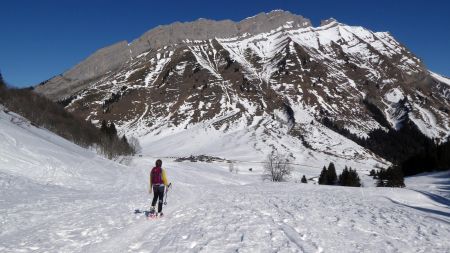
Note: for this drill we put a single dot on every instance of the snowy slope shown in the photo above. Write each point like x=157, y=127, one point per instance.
x=252, y=143
x=39, y=155
x=57, y=197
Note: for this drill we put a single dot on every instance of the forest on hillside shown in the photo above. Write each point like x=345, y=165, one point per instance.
x=47, y=114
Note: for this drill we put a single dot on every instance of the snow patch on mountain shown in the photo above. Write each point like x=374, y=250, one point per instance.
x=394, y=95
x=440, y=78
x=157, y=65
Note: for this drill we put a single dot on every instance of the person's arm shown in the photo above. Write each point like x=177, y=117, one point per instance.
x=164, y=178
x=150, y=183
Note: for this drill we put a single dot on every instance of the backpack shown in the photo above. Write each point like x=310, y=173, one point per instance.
x=156, y=175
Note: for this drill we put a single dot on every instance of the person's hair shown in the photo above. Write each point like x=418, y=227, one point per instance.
x=158, y=163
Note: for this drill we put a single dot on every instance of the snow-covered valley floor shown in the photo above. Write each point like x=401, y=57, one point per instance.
x=57, y=197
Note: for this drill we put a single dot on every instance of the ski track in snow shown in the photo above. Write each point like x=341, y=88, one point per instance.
x=209, y=209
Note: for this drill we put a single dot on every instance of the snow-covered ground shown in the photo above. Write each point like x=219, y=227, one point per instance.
x=57, y=197
x=250, y=144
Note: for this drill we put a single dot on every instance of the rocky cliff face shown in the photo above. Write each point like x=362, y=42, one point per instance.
x=274, y=77
x=115, y=56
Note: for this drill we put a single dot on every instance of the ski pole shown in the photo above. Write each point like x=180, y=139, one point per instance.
x=167, y=190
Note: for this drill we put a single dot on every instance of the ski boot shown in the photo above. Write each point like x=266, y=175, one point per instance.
x=151, y=213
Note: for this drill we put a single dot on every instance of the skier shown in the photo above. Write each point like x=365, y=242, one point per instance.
x=158, y=182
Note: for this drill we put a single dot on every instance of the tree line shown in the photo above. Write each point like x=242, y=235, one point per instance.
x=390, y=177
x=277, y=168
x=407, y=148
x=348, y=177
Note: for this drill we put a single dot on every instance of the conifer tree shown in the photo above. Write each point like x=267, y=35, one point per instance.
x=391, y=177
x=349, y=177
x=323, y=178
x=304, y=180
x=124, y=140
x=2, y=82
x=104, y=127
x=331, y=174
x=395, y=177
x=112, y=130
x=343, y=177
x=381, y=177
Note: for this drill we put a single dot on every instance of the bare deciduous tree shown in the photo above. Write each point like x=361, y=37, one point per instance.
x=231, y=167
x=277, y=167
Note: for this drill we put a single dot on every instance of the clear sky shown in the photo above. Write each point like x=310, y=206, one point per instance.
x=43, y=38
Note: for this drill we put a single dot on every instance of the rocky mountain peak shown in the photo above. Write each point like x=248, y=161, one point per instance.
x=116, y=55
x=203, y=29
x=328, y=21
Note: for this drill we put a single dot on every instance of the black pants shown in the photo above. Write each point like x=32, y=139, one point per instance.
x=158, y=195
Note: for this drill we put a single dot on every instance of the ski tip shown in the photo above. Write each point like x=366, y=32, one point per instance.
x=154, y=216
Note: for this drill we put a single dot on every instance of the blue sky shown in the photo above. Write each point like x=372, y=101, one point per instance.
x=40, y=39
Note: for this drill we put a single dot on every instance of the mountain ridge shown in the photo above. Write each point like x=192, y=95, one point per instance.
x=278, y=85
x=101, y=61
